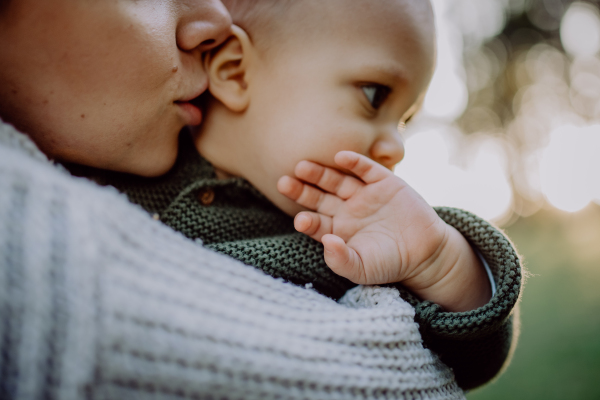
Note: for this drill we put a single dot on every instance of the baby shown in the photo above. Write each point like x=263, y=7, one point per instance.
x=315, y=91
x=302, y=119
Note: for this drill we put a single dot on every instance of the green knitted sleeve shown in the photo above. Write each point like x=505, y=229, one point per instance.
x=475, y=344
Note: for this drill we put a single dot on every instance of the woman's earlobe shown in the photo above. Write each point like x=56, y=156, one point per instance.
x=227, y=69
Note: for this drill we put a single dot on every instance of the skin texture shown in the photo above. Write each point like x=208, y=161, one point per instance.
x=104, y=83
x=310, y=94
x=376, y=229
x=302, y=111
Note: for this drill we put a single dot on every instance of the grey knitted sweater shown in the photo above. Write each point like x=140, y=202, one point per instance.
x=99, y=301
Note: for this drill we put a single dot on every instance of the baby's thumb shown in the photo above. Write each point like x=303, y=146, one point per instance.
x=343, y=260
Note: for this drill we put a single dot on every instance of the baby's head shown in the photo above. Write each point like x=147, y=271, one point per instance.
x=305, y=79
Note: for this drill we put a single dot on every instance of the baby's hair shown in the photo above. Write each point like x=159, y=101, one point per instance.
x=268, y=21
x=251, y=15
x=262, y=19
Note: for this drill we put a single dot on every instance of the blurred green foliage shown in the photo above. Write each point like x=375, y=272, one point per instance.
x=558, y=356
x=520, y=81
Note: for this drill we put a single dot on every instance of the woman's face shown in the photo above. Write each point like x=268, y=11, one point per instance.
x=106, y=83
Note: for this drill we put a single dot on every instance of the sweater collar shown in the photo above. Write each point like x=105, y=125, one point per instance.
x=13, y=139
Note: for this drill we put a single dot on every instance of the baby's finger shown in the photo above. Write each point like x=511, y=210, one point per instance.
x=328, y=179
x=365, y=168
x=289, y=187
x=313, y=224
x=343, y=260
x=309, y=196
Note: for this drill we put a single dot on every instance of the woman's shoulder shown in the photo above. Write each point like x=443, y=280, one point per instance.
x=130, y=295
x=25, y=168
x=41, y=200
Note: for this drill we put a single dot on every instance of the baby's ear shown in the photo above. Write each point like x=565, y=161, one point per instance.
x=227, y=69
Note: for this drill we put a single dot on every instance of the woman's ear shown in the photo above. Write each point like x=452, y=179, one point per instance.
x=227, y=68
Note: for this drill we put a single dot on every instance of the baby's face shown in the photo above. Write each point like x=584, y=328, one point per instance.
x=347, y=89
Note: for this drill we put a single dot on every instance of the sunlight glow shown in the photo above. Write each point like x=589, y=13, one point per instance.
x=558, y=93
x=481, y=186
x=478, y=20
x=570, y=167
x=447, y=96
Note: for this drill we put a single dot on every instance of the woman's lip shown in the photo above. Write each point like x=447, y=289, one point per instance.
x=192, y=115
x=198, y=92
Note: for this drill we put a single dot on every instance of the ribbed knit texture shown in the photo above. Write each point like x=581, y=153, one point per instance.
x=477, y=343
x=241, y=223
x=98, y=301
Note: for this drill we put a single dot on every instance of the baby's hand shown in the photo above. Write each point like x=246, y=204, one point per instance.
x=376, y=229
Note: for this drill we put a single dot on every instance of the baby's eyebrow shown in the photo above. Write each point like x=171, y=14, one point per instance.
x=392, y=73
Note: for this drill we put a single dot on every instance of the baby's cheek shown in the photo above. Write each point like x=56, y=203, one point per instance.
x=352, y=139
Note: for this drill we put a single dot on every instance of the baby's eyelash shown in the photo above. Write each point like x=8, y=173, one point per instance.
x=376, y=94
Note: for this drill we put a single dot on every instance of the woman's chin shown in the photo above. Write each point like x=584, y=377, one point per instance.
x=153, y=166
x=146, y=164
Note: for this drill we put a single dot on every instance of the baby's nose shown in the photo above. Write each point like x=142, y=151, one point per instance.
x=388, y=150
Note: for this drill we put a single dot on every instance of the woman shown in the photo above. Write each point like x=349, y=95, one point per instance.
x=97, y=299
x=107, y=84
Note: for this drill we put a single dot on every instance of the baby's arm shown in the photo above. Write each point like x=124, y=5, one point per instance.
x=475, y=344
x=377, y=230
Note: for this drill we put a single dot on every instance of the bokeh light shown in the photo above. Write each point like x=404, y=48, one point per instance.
x=522, y=148
x=580, y=30
x=512, y=77
x=479, y=185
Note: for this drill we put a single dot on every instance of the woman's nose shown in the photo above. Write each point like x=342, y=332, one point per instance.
x=388, y=149
x=203, y=25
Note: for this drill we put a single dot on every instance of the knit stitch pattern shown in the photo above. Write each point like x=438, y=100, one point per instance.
x=97, y=300
x=242, y=223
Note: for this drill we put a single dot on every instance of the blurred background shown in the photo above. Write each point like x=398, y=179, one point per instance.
x=510, y=130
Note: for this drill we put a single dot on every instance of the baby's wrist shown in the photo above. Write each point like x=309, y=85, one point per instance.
x=453, y=277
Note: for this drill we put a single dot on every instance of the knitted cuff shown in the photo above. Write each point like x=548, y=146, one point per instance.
x=506, y=270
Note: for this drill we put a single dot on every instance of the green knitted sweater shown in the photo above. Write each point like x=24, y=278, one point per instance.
x=232, y=217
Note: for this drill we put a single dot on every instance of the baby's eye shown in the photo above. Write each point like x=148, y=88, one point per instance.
x=376, y=94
